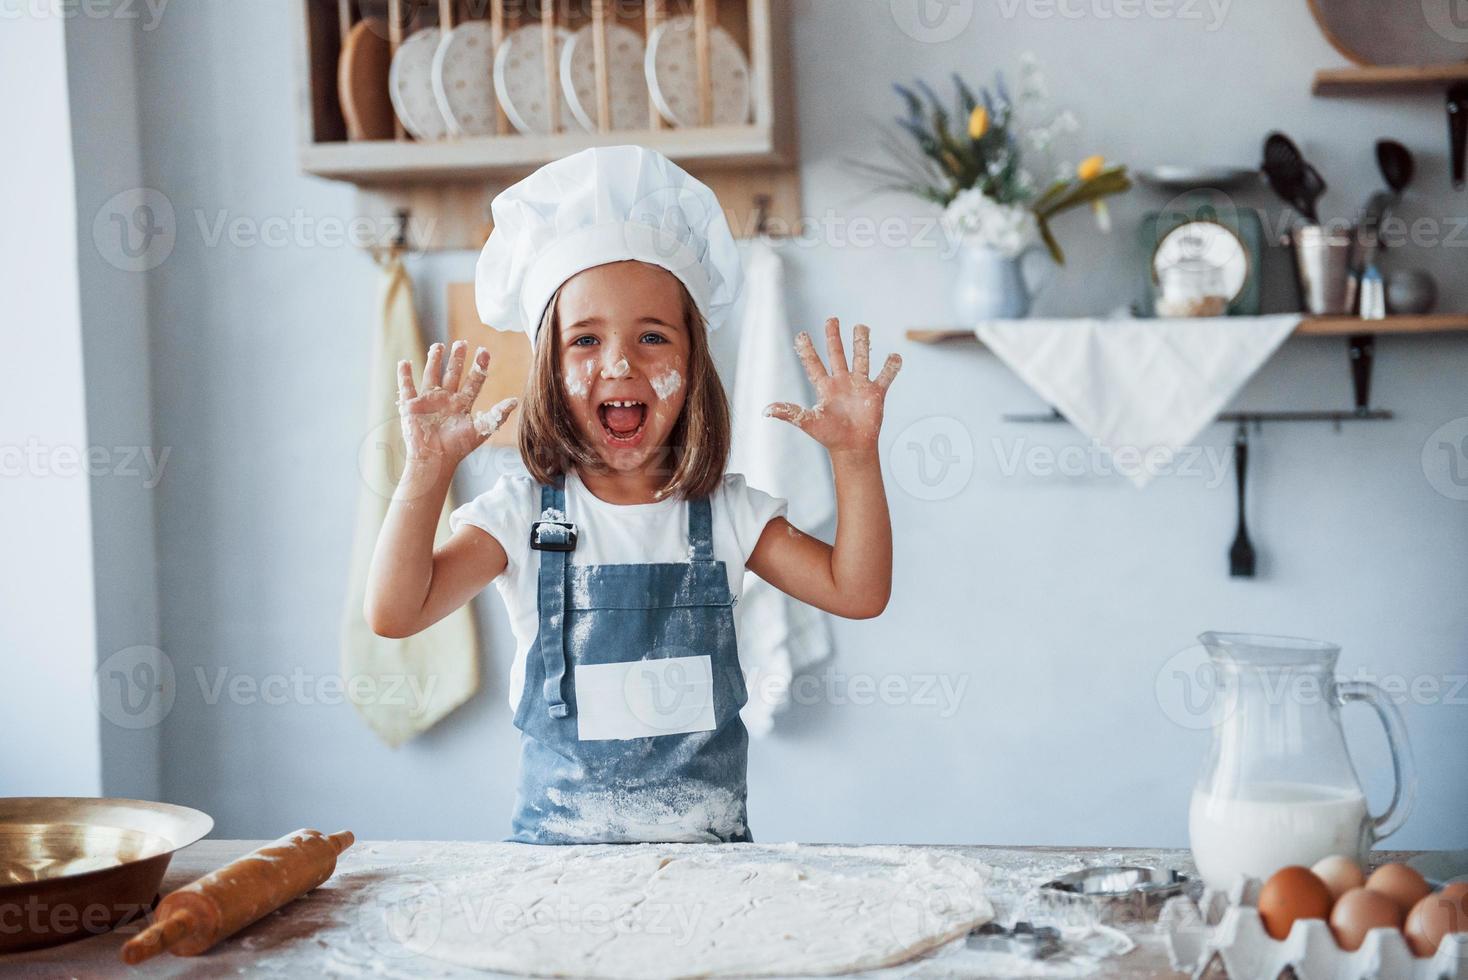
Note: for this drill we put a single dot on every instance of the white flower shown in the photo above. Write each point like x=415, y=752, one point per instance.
x=978, y=219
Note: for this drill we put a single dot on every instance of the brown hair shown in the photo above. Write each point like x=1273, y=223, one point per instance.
x=551, y=444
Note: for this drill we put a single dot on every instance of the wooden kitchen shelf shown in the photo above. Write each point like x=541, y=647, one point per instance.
x=444, y=187
x=391, y=161
x=1383, y=79
x=1315, y=326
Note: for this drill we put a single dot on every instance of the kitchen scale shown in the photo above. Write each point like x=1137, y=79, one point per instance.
x=1201, y=239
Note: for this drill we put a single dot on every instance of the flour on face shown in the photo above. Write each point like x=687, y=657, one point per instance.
x=580, y=384
x=667, y=384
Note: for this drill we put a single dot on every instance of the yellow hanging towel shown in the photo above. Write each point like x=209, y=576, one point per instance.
x=402, y=687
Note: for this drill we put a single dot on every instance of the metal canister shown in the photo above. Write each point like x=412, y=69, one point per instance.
x=1323, y=266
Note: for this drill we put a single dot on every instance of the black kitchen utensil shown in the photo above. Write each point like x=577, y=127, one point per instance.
x=1283, y=167
x=1458, y=129
x=1312, y=187
x=1296, y=182
x=1241, y=555
x=1396, y=164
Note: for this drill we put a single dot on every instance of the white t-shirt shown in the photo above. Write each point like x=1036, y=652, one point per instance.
x=607, y=534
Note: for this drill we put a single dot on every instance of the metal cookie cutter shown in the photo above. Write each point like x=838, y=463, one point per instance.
x=1023, y=939
x=1112, y=895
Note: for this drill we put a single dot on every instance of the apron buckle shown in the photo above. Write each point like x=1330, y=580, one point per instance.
x=553, y=536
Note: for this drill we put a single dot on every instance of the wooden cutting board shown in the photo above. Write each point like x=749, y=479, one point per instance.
x=362, y=81
x=509, y=357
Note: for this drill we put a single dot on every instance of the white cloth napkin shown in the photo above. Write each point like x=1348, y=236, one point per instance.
x=401, y=687
x=777, y=635
x=1138, y=385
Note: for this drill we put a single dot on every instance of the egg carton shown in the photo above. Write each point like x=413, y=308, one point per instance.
x=1224, y=926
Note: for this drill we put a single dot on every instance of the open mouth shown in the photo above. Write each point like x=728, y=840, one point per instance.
x=623, y=420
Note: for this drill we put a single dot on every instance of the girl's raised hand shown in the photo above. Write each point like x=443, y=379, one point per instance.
x=438, y=419
x=848, y=412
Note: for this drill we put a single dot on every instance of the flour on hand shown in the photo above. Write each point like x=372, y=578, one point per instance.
x=487, y=423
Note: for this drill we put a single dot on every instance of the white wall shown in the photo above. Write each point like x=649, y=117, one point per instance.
x=1057, y=601
x=113, y=261
x=48, y=723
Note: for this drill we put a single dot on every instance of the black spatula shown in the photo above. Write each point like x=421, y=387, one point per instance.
x=1241, y=555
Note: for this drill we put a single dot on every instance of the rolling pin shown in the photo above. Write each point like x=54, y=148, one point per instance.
x=198, y=915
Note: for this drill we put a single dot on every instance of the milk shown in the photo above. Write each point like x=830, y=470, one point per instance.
x=1267, y=826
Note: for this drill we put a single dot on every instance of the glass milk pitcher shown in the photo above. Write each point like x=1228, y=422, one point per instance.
x=1278, y=787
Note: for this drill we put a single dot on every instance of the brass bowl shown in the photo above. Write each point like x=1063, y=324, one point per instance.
x=72, y=867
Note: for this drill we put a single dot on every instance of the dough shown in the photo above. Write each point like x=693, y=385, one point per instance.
x=660, y=910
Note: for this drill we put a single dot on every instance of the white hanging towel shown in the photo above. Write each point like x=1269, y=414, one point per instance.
x=1138, y=385
x=777, y=634
x=402, y=687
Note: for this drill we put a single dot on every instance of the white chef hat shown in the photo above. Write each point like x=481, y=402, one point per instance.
x=605, y=204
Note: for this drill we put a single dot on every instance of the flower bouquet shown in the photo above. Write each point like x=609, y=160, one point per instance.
x=972, y=161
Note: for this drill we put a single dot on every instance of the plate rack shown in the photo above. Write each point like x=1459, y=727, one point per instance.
x=445, y=186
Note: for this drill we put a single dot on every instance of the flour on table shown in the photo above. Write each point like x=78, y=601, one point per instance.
x=671, y=910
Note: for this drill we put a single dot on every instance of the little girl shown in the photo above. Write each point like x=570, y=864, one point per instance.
x=621, y=555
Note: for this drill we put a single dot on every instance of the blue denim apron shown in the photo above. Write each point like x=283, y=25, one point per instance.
x=654, y=749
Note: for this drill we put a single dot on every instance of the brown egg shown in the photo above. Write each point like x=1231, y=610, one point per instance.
x=1454, y=888
x=1399, y=883
x=1291, y=894
x=1436, y=916
x=1339, y=873
x=1359, y=911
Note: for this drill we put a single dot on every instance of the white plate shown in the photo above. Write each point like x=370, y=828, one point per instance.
x=410, y=85
x=671, y=69
x=626, y=84
x=519, y=80
x=463, y=79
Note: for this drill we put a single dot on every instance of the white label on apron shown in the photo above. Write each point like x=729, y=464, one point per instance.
x=642, y=698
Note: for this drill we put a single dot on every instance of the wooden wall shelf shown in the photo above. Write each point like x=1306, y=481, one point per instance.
x=390, y=161
x=1321, y=326
x=1384, y=79
x=446, y=185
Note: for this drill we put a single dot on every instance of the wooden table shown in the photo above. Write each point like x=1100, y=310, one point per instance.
x=336, y=930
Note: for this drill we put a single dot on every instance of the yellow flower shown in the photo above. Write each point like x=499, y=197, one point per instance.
x=1090, y=167
x=978, y=123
